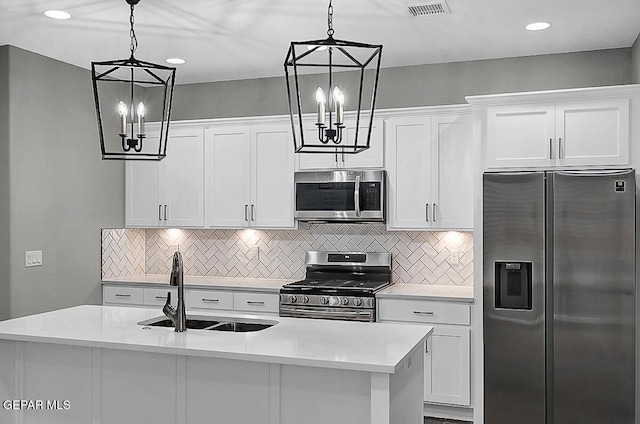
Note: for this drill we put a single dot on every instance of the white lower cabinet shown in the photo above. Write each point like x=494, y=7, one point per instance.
x=256, y=302
x=447, y=366
x=195, y=299
x=209, y=299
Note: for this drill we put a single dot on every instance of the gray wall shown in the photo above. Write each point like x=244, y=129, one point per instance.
x=635, y=61
x=4, y=182
x=61, y=192
x=425, y=85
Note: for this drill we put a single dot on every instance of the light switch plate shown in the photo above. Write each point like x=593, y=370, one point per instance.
x=33, y=258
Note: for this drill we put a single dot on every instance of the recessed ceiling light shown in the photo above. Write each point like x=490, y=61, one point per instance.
x=537, y=26
x=57, y=14
x=175, y=61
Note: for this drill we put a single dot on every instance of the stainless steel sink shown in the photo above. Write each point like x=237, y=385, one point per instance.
x=195, y=322
x=241, y=327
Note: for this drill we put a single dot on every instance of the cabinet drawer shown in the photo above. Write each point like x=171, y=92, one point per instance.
x=210, y=299
x=158, y=296
x=256, y=302
x=424, y=311
x=122, y=295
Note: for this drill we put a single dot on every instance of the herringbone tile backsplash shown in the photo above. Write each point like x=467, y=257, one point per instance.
x=418, y=257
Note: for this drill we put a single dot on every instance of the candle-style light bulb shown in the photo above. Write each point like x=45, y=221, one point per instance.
x=140, y=112
x=338, y=98
x=123, y=111
x=320, y=100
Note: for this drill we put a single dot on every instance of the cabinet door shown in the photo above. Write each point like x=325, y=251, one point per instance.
x=142, y=192
x=373, y=157
x=272, y=177
x=452, y=166
x=183, y=178
x=329, y=160
x=447, y=372
x=408, y=156
x=593, y=132
x=520, y=136
x=227, y=185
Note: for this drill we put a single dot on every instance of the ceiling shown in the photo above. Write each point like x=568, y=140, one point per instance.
x=240, y=39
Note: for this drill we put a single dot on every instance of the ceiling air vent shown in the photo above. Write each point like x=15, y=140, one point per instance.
x=434, y=8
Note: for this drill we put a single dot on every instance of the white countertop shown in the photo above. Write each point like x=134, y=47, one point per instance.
x=427, y=292
x=370, y=347
x=192, y=281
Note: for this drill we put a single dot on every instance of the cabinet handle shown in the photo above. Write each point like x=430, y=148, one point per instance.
x=246, y=216
x=159, y=212
x=356, y=196
x=560, y=148
x=424, y=313
x=250, y=302
x=204, y=299
x=551, y=148
x=165, y=212
x=426, y=212
x=122, y=295
x=253, y=212
x=336, y=156
x=342, y=155
x=434, y=212
x=161, y=297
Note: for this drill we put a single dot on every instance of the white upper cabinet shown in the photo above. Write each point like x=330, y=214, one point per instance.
x=563, y=128
x=429, y=169
x=168, y=193
x=249, y=176
x=227, y=176
x=373, y=157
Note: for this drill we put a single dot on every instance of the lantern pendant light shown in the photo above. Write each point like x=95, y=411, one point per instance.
x=123, y=97
x=350, y=81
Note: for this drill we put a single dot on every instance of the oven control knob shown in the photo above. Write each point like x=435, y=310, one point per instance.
x=292, y=299
x=345, y=301
x=305, y=299
x=324, y=300
x=357, y=301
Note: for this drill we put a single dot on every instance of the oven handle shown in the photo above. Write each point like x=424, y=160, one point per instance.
x=356, y=196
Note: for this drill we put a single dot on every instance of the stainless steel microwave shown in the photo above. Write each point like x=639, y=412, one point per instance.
x=340, y=195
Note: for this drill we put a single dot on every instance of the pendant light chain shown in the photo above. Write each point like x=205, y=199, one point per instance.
x=134, y=41
x=330, y=20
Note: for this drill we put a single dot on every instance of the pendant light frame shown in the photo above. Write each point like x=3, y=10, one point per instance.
x=132, y=76
x=335, y=56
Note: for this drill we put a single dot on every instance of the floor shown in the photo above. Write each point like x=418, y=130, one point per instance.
x=431, y=420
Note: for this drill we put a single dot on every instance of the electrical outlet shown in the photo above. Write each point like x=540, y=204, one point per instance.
x=33, y=258
x=454, y=258
x=254, y=253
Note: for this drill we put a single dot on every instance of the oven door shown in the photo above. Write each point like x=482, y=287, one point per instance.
x=340, y=195
x=345, y=314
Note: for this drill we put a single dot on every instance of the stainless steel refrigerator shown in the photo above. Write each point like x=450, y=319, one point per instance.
x=559, y=297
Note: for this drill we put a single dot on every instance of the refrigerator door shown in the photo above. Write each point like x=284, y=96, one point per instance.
x=593, y=297
x=514, y=323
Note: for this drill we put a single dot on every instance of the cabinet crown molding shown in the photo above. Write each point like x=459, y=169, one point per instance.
x=616, y=91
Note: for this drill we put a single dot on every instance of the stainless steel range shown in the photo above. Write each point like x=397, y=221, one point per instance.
x=338, y=285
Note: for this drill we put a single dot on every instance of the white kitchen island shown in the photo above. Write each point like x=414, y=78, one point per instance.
x=95, y=364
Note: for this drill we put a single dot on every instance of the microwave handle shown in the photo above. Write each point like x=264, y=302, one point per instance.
x=356, y=196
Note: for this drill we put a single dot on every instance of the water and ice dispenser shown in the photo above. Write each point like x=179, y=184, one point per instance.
x=513, y=285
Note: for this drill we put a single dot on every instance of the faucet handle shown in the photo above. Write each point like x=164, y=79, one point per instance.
x=169, y=310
